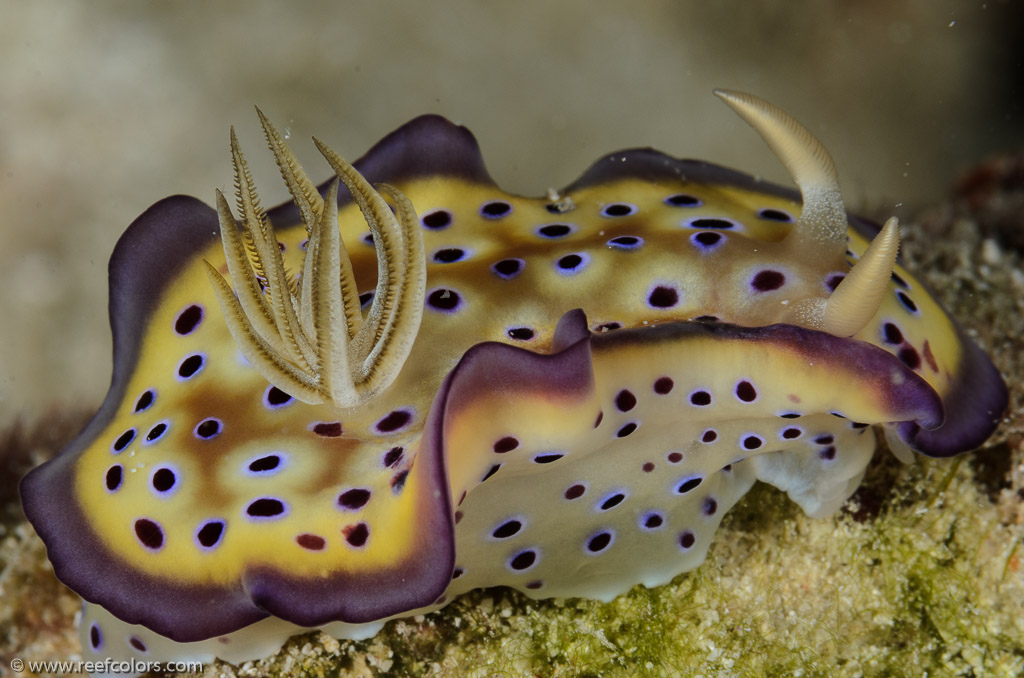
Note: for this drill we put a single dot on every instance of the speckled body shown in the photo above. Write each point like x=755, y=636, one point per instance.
x=524, y=443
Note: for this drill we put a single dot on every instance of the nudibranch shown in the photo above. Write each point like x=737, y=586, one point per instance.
x=407, y=383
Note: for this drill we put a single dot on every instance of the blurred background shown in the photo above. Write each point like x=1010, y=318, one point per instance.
x=106, y=107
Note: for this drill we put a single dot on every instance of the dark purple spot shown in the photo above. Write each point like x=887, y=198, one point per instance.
x=907, y=302
x=520, y=333
x=115, y=474
x=144, y=401
x=700, y=398
x=828, y=453
x=458, y=572
x=612, y=501
x=687, y=540
x=626, y=430
x=444, y=300
x=575, y=491
x=398, y=482
x=891, y=334
x=709, y=507
x=368, y=239
x=625, y=401
x=653, y=521
x=899, y=281
x=210, y=533
x=706, y=319
x=449, y=255
x=354, y=499
x=523, y=560
x=626, y=242
x=311, y=542
x=304, y=244
x=95, y=639
x=265, y=464
x=607, y=327
x=393, y=421
x=826, y=439
x=156, y=432
x=746, y=392
x=683, y=200
x=327, y=429
x=535, y=584
x=265, y=508
x=688, y=485
x=792, y=433
x=709, y=436
x=663, y=385
x=124, y=440
x=711, y=222
x=840, y=415
x=506, y=444
x=555, y=230
x=859, y=425
x=490, y=472
x=137, y=644
x=618, y=209
x=706, y=239
x=190, y=366
x=768, y=280
x=752, y=443
x=163, y=480
x=909, y=357
x=727, y=468
x=547, y=458
x=571, y=263
x=508, y=268
x=833, y=280
x=790, y=415
x=507, y=529
x=365, y=298
x=674, y=457
x=663, y=297
x=275, y=397
x=600, y=418
x=495, y=209
x=392, y=456
x=149, y=533
x=648, y=466
x=208, y=428
x=356, y=535
x=599, y=542
x=774, y=215
x=188, y=320
x=437, y=219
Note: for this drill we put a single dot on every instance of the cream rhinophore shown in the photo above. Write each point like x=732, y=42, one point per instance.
x=822, y=223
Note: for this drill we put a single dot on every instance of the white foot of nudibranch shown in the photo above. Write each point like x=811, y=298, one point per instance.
x=308, y=336
x=821, y=228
